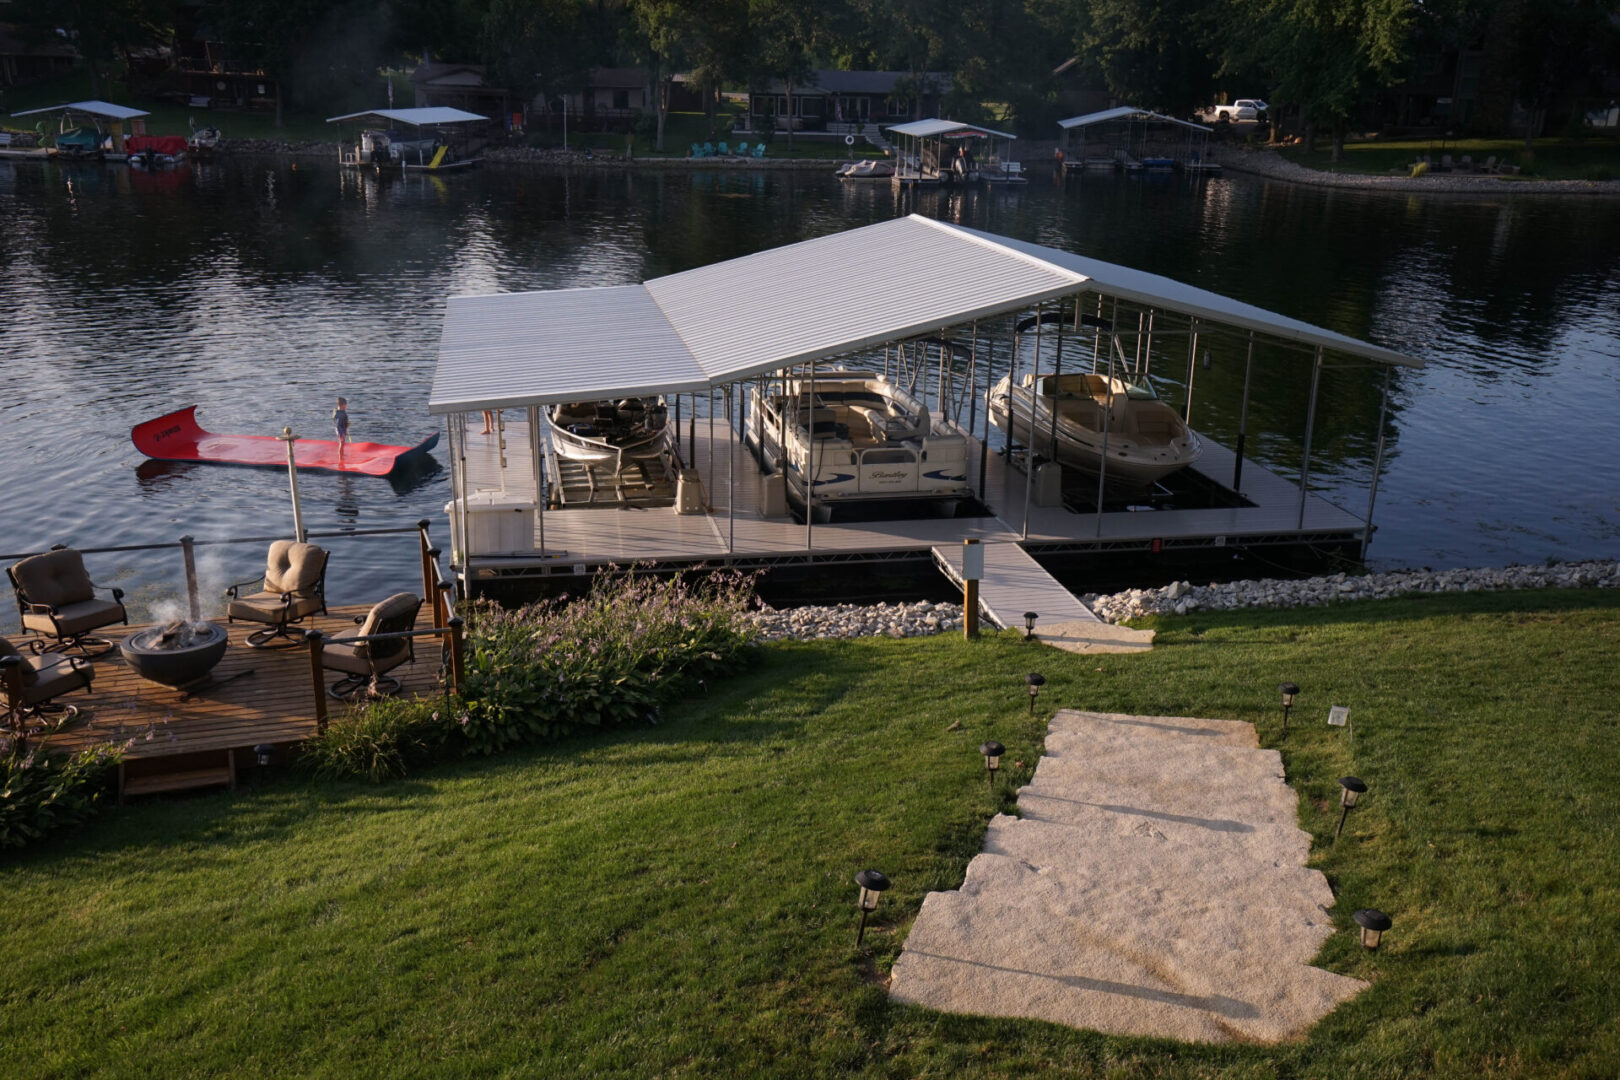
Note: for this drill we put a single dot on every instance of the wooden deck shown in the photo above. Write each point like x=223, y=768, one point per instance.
x=197, y=732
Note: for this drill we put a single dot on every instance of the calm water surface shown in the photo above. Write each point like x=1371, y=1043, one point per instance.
x=259, y=290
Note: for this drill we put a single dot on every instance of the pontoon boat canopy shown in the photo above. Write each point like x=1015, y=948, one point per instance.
x=104, y=109
x=1128, y=112
x=812, y=300
x=927, y=129
x=416, y=117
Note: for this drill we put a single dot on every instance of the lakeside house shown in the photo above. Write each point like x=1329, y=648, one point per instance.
x=460, y=86
x=836, y=101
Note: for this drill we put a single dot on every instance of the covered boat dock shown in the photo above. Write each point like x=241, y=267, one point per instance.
x=1131, y=138
x=96, y=112
x=938, y=151
x=442, y=139
x=678, y=337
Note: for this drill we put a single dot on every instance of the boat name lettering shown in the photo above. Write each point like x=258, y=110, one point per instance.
x=888, y=475
x=166, y=432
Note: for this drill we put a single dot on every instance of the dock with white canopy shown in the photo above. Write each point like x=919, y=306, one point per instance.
x=936, y=151
x=97, y=112
x=442, y=139
x=1128, y=137
x=678, y=337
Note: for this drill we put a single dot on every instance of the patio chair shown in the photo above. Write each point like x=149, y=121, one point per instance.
x=58, y=599
x=725, y=149
x=292, y=589
x=697, y=151
x=1490, y=164
x=759, y=150
x=366, y=664
x=742, y=149
x=34, y=679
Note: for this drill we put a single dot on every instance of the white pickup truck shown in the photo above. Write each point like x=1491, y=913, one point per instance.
x=1245, y=109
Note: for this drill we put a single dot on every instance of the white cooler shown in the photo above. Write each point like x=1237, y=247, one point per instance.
x=496, y=522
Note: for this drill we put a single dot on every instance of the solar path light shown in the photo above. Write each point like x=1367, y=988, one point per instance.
x=1351, y=791
x=873, y=884
x=1288, y=691
x=1035, y=680
x=992, y=752
x=1373, y=923
x=1029, y=623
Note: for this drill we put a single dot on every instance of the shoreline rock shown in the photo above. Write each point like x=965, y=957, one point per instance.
x=821, y=623
x=1266, y=162
x=1181, y=597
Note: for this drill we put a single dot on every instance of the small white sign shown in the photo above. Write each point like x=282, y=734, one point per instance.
x=972, y=560
x=1339, y=716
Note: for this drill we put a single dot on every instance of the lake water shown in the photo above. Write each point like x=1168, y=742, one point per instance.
x=261, y=289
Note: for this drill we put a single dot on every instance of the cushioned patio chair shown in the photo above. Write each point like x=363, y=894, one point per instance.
x=31, y=680
x=366, y=664
x=58, y=599
x=293, y=588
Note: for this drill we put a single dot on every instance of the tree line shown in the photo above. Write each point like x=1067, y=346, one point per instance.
x=1329, y=59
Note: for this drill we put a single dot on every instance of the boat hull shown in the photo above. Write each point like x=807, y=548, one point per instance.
x=1145, y=440
x=608, y=433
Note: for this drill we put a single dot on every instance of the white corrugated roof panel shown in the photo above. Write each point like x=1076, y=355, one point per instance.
x=923, y=129
x=514, y=349
x=95, y=108
x=818, y=298
x=1127, y=112
x=1155, y=290
x=441, y=114
x=845, y=291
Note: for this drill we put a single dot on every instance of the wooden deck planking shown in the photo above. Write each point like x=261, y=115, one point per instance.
x=275, y=704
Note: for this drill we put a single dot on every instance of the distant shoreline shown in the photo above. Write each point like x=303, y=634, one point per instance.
x=1270, y=164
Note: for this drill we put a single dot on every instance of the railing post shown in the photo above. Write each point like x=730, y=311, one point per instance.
x=428, y=555
x=317, y=674
x=435, y=593
x=188, y=549
x=456, y=672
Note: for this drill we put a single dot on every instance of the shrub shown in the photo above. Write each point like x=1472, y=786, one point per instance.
x=383, y=739
x=606, y=659
x=41, y=791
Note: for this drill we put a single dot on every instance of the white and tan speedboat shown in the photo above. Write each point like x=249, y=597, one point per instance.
x=1097, y=416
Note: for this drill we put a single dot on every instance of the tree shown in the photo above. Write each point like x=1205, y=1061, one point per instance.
x=1153, y=53
x=102, y=30
x=537, y=48
x=1329, y=57
x=1548, y=47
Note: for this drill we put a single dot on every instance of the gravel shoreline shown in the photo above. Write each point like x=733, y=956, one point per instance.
x=1179, y=598
x=1270, y=164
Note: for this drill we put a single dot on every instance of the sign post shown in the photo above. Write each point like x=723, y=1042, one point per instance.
x=972, y=571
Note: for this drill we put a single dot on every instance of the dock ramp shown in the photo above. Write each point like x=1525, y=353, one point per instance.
x=1014, y=583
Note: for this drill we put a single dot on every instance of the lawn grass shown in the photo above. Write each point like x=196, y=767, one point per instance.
x=677, y=900
x=1551, y=159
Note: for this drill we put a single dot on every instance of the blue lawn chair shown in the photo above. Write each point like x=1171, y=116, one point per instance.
x=725, y=151
x=759, y=150
x=742, y=149
x=697, y=151
x=708, y=149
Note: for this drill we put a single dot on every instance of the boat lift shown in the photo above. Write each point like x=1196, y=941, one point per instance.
x=444, y=142
x=928, y=153
x=96, y=111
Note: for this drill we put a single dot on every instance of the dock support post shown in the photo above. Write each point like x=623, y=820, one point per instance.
x=1243, y=419
x=1192, y=368
x=537, y=465
x=1034, y=401
x=317, y=675
x=972, y=568
x=188, y=549
x=1310, y=424
x=1378, y=465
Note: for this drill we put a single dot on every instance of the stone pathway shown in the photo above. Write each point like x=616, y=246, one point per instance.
x=1155, y=885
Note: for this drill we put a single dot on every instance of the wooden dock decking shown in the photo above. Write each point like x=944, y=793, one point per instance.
x=197, y=734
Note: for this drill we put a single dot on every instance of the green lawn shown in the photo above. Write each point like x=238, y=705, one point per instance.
x=677, y=900
x=1552, y=158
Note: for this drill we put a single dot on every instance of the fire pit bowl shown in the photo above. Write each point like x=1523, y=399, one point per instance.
x=177, y=654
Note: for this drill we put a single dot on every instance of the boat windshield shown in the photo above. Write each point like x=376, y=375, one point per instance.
x=1140, y=391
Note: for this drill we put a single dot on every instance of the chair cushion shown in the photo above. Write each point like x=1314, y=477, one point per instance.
x=30, y=674
x=76, y=618
x=53, y=676
x=394, y=615
x=57, y=578
x=268, y=608
x=293, y=567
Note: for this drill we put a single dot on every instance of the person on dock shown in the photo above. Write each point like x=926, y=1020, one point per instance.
x=489, y=422
x=340, y=423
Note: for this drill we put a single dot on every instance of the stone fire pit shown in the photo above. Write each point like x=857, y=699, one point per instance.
x=176, y=654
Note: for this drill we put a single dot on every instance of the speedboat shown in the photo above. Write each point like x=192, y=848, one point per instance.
x=866, y=169
x=204, y=142
x=866, y=438
x=1097, y=417
x=617, y=434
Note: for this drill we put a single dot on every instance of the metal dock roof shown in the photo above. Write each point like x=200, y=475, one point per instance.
x=807, y=301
